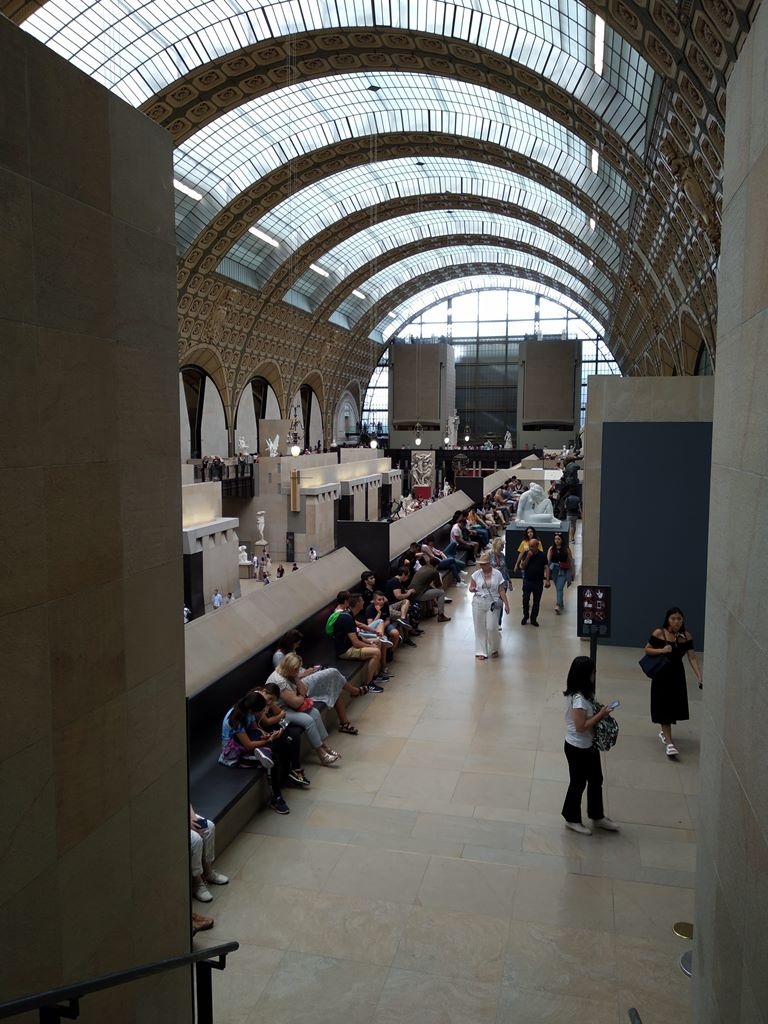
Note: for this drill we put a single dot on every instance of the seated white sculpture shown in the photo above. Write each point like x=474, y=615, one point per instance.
x=242, y=555
x=273, y=445
x=535, y=507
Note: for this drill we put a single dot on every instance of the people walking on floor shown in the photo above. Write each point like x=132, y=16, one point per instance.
x=535, y=578
x=522, y=548
x=488, y=591
x=669, y=696
x=216, y=599
x=584, y=769
x=561, y=569
x=499, y=561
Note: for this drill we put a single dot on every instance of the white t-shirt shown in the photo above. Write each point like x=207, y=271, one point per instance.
x=577, y=739
x=487, y=589
x=456, y=533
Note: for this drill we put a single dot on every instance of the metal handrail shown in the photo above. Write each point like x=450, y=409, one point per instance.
x=634, y=1017
x=49, y=1003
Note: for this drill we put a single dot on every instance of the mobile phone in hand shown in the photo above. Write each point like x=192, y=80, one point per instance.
x=613, y=705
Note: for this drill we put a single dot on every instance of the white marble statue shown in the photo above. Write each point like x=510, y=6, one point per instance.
x=508, y=439
x=260, y=520
x=242, y=445
x=535, y=507
x=273, y=445
x=453, y=428
x=242, y=555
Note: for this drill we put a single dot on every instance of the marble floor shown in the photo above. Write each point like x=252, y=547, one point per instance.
x=428, y=876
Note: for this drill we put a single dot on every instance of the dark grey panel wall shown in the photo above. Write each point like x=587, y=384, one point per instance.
x=654, y=517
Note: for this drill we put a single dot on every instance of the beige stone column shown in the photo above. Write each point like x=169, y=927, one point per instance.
x=94, y=862
x=731, y=941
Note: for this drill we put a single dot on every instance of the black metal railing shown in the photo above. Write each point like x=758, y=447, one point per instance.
x=634, y=1017
x=58, y=1003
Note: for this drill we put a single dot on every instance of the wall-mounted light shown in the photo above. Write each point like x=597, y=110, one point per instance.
x=417, y=440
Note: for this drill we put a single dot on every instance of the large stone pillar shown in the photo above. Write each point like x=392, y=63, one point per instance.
x=94, y=861
x=731, y=949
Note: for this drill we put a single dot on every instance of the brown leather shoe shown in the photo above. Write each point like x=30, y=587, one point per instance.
x=201, y=923
x=443, y=618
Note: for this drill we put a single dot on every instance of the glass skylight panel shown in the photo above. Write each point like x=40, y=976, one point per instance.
x=420, y=303
x=139, y=49
x=366, y=246
x=415, y=266
x=244, y=144
x=297, y=219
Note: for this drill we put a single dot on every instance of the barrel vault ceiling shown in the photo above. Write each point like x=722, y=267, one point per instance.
x=338, y=161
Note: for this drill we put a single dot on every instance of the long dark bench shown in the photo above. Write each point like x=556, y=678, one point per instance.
x=215, y=789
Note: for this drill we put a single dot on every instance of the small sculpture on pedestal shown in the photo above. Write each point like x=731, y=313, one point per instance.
x=535, y=507
x=260, y=520
x=242, y=555
x=273, y=446
x=453, y=428
x=508, y=439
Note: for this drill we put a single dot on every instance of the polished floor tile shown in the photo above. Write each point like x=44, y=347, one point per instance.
x=429, y=878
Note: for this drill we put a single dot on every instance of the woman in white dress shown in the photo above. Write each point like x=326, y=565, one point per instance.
x=488, y=591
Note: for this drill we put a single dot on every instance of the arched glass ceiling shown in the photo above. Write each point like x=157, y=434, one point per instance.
x=380, y=239
x=298, y=219
x=401, y=315
x=228, y=155
x=412, y=267
x=138, y=48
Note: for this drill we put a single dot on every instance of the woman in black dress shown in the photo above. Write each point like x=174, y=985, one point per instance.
x=669, y=697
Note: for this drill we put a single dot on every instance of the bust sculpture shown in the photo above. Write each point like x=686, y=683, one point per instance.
x=535, y=507
x=273, y=445
x=242, y=555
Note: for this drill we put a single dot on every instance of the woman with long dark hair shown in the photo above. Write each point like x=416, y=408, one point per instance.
x=561, y=569
x=245, y=745
x=584, y=769
x=669, y=697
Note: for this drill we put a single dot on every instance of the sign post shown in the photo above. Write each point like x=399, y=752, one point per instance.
x=593, y=615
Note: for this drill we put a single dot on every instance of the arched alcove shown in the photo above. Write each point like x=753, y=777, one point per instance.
x=309, y=415
x=258, y=401
x=345, y=418
x=202, y=421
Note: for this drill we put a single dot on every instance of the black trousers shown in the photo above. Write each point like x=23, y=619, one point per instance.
x=286, y=753
x=585, y=772
x=532, y=590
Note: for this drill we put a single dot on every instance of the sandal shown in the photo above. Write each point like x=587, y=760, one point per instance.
x=327, y=759
x=361, y=691
x=480, y=657
x=332, y=752
x=348, y=728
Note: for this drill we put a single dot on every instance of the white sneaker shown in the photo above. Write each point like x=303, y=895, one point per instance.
x=605, y=823
x=672, y=750
x=200, y=892
x=576, y=826
x=662, y=738
x=214, y=878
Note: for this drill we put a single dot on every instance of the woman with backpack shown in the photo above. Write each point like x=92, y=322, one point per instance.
x=582, y=755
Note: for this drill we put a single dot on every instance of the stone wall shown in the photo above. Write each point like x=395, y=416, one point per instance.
x=732, y=875
x=94, y=857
